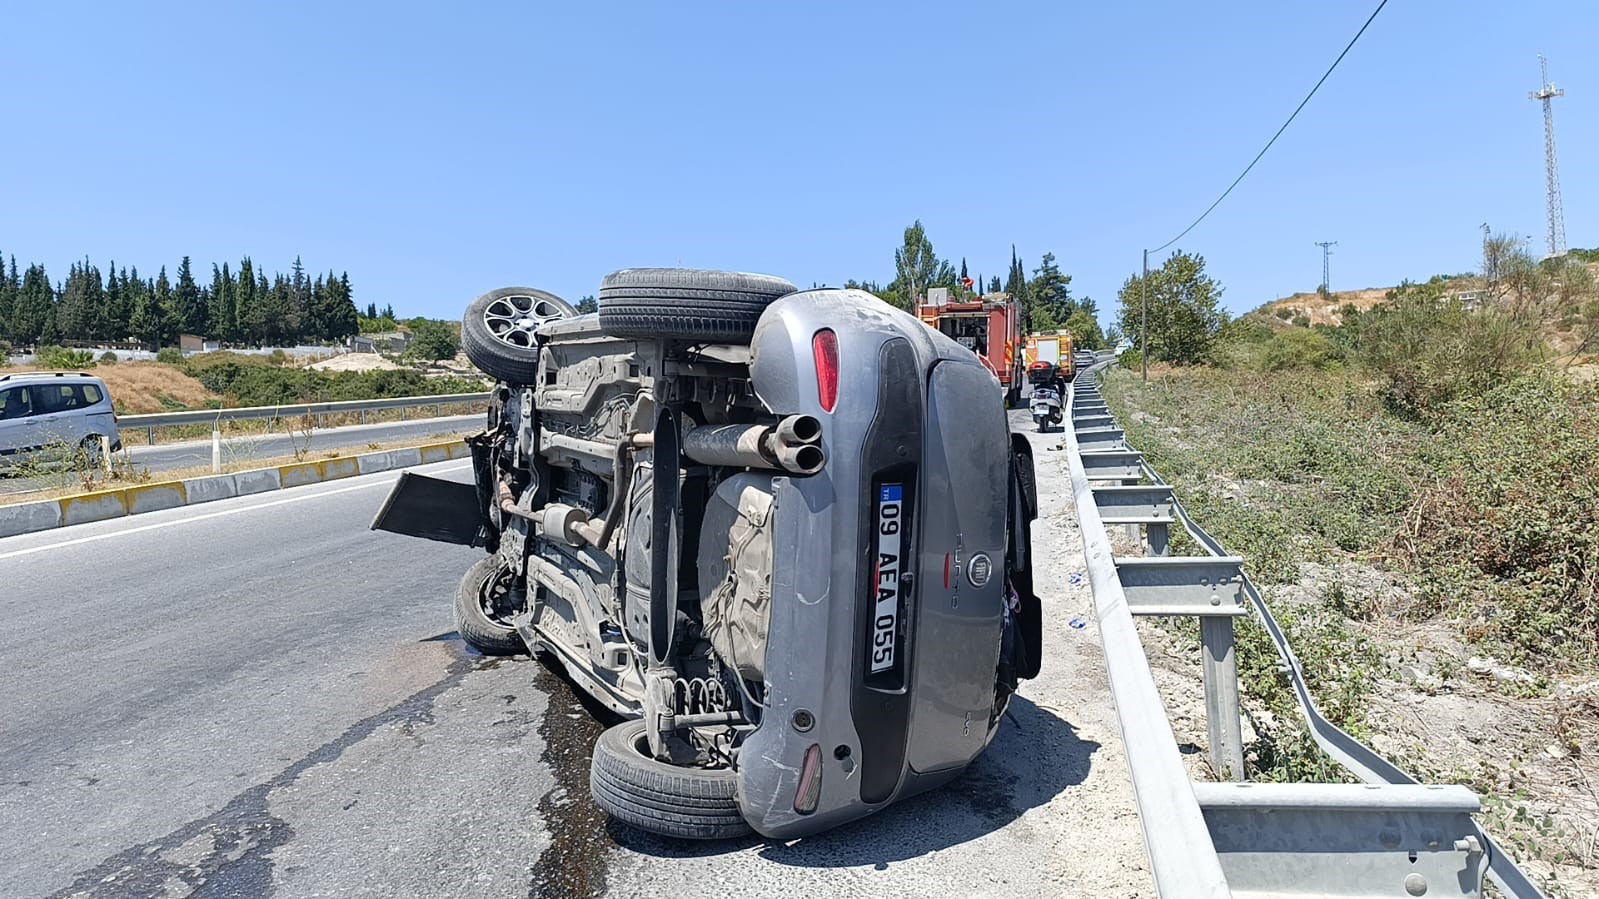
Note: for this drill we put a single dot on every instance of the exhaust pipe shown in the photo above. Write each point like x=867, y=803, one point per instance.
x=801, y=459
x=792, y=445
x=800, y=430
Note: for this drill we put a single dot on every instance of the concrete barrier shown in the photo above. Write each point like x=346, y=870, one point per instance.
x=26, y=518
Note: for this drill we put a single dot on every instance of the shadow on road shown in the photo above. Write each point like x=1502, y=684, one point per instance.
x=1036, y=755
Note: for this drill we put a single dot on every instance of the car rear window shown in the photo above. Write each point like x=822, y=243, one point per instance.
x=91, y=394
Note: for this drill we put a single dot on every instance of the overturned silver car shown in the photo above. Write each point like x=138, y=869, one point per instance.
x=784, y=533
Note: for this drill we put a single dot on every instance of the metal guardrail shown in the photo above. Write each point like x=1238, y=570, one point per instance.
x=294, y=410
x=1388, y=836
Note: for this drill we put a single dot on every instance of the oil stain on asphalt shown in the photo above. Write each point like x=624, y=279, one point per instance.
x=572, y=865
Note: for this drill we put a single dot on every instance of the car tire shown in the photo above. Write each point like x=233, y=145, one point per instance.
x=637, y=789
x=686, y=304
x=497, y=331
x=89, y=453
x=480, y=631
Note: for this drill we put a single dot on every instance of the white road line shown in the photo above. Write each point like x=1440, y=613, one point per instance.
x=202, y=517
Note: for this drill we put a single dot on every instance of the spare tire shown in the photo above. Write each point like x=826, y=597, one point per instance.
x=635, y=788
x=497, y=331
x=686, y=304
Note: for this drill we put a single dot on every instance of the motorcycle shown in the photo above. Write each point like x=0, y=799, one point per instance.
x=1046, y=407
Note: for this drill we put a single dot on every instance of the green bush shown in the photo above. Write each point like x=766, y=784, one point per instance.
x=108, y=358
x=169, y=355
x=62, y=358
x=433, y=340
x=1430, y=350
x=1300, y=349
x=255, y=381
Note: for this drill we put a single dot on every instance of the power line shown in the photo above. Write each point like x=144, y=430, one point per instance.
x=1279, y=130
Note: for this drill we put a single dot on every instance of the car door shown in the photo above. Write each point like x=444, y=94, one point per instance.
x=56, y=410
x=17, y=424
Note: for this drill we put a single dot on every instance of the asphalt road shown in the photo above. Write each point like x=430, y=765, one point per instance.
x=260, y=697
x=197, y=453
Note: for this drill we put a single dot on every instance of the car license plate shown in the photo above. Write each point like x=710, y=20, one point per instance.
x=890, y=561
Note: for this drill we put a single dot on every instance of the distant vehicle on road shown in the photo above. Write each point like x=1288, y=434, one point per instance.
x=785, y=532
x=1054, y=349
x=55, y=416
x=989, y=326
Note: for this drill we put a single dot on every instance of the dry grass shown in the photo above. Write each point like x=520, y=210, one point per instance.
x=1324, y=310
x=139, y=388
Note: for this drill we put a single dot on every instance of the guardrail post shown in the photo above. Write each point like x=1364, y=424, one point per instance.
x=1157, y=539
x=363, y=416
x=1222, y=720
x=149, y=436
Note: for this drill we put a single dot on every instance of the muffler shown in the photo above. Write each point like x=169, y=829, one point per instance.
x=792, y=445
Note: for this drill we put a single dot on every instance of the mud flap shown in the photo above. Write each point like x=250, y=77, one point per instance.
x=433, y=509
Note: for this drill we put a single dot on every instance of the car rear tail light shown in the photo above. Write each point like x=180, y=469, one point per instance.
x=810, y=782
x=825, y=348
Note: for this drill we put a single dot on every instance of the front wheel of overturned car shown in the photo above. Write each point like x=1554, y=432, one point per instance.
x=497, y=331
x=483, y=603
x=633, y=787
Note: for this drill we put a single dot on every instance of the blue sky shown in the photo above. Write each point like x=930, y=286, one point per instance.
x=435, y=151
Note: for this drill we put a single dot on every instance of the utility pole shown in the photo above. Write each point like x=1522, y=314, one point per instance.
x=1143, y=320
x=1326, y=267
x=1557, y=218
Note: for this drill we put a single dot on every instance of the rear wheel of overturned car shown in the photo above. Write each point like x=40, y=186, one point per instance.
x=498, y=331
x=686, y=304
x=483, y=604
x=633, y=787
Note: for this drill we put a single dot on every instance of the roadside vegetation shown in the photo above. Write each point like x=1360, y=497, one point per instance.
x=1414, y=486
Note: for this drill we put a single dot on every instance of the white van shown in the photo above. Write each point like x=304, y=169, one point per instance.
x=59, y=413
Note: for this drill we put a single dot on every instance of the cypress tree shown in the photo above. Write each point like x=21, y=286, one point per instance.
x=35, y=311
x=7, y=300
x=74, y=316
x=302, y=311
x=186, y=301
x=244, y=303
x=114, y=319
x=163, y=312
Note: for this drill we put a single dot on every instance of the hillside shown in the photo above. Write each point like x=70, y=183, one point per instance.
x=1328, y=310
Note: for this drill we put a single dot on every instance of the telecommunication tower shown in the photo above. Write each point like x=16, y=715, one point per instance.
x=1326, y=266
x=1557, y=219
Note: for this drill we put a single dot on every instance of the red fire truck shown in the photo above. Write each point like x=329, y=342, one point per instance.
x=990, y=326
